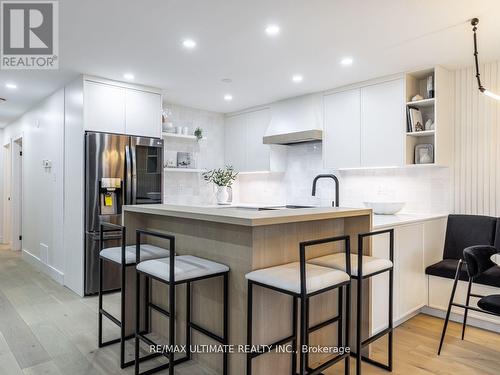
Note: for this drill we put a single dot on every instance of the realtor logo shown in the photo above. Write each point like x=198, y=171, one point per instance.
x=29, y=37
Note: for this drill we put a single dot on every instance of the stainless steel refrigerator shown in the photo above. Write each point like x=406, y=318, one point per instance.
x=119, y=169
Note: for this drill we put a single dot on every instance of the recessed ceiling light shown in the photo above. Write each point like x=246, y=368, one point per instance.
x=189, y=43
x=272, y=30
x=228, y=97
x=226, y=80
x=11, y=86
x=297, y=78
x=346, y=61
x=128, y=76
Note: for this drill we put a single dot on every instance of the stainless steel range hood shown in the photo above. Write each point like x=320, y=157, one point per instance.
x=294, y=137
x=295, y=120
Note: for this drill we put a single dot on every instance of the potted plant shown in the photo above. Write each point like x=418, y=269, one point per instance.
x=223, y=178
x=198, y=133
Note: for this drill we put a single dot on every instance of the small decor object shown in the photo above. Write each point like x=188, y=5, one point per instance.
x=178, y=129
x=424, y=154
x=429, y=124
x=223, y=178
x=185, y=130
x=198, y=133
x=184, y=160
x=166, y=113
x=168, y=127
x=415, y=117
x=417, y=97
x=170, y=159
x=430, y=87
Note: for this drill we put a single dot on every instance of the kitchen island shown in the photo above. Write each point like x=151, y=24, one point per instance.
x=246, y=239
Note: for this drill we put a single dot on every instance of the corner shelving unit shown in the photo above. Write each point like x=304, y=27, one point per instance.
x=437, y=108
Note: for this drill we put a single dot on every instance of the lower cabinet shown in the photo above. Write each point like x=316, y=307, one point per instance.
x=412, y=243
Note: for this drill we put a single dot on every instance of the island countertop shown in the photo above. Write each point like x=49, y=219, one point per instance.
x=248, y=216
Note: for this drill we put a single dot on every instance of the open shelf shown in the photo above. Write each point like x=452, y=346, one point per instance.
x=423, y=133
x=184, y=170
x=422, y=103
x=179, y=136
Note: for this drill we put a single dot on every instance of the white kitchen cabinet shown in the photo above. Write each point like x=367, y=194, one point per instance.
x=342, y=131
x=382, y=124
x=244, y=147
x=142, y=113
x=409, y=275
x=104, y=107
x=235, y=142
x=364, y=127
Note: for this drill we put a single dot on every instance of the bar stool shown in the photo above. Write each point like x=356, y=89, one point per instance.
x=125, y=257
x=303, y=280
x=363, y=268
x=187, y=269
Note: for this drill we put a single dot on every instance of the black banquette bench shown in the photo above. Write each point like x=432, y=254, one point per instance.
x=463, y=231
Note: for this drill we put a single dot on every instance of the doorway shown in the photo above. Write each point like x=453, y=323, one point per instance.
x=17, y=194
x=6, y=194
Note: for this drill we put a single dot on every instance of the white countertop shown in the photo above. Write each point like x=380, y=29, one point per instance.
x=385, y=221
x=247, y=215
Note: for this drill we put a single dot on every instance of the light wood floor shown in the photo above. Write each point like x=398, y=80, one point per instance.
x=47, y=329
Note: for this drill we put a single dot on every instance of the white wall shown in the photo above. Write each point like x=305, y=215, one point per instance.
x=42, y=129
x=1, y=186
x=476, y=139
x=425, y=190
x=190, y=188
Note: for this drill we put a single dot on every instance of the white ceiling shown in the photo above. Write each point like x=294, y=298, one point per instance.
x=109, y=38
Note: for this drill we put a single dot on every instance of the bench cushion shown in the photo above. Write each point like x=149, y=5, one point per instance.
x=447, y=268
x=490, y=303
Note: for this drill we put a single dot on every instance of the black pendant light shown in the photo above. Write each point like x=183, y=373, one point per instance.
x=474, y=23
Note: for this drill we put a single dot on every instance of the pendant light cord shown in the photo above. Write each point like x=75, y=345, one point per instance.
x=474, y=23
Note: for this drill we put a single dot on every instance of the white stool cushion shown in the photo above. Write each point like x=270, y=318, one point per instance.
x=287, y=277
x=114, y=254
x=186, y=267
x=370, y=264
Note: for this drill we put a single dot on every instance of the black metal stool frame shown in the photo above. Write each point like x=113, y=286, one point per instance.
x=466, y=307
x=189, y=324
x=359, y=313
x=101, y=312
x=305, y=330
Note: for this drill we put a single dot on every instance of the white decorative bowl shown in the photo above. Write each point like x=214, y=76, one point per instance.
x=385, y=208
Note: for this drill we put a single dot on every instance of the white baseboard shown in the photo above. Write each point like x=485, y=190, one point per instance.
x=54, y=273
x=471, y=321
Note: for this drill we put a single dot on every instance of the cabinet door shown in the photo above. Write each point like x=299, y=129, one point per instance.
x=104, y=108
x=142, y=113
x=409, y=269
x=258, y=154
x=235, y=142
x=341, y=134
x=382, y=124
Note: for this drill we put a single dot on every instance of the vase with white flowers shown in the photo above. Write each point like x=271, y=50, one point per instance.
x=223, y=178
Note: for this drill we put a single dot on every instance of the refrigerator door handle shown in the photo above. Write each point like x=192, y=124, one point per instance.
x=133, y=157
x=128, y=176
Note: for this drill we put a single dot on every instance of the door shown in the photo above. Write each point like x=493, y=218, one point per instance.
x=142, y=113
x=17, y=194
x=382, y=124
x=146, y=178
x=6, y=194
x=341, y=137
x=104, y=108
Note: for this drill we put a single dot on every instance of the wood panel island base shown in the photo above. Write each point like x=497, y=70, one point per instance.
x=246, y=240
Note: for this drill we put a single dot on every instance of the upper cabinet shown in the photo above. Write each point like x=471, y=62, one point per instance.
x=118, y=109
x=104, y=107
x=382, y=116
x=142, y=113
x=364, y=127
x=244, y=147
